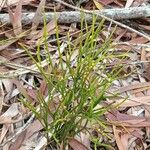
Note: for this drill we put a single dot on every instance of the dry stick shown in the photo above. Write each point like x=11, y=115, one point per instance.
x=107, y=18
x=75, y=16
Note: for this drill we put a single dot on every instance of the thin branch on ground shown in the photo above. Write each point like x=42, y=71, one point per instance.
x=105, y=17
x=75, y=16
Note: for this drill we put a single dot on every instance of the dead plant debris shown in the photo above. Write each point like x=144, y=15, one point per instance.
x=128, y=120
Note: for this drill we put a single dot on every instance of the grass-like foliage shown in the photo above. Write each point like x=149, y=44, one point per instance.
x=77, y=79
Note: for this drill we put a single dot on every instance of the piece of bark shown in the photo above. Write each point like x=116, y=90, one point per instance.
x=75, y=16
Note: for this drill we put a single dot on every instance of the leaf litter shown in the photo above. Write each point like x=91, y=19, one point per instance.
x=129, y=124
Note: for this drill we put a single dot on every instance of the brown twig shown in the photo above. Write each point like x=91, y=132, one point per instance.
x=107, y=18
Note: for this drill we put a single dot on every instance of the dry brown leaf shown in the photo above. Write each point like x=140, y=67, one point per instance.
x=119, y=3
x=143, y=54
x=7, y=84
x=134, y=86
x=120, y=35
x=32, y=93
x=139, y=94
x=41, y=144
x=9, y=114
x=4, y=130
x=5, y=120
x=139, y=40
x=121, y=139
x=38, y=15
x=43, y=87
x=9, y=96
x=147, y=114
x=136, y=101
x=21, y=89
x=16, y=18
x=128, y=120
x=129, y=3
x=49, y=29
x=12, y=111
x=85, y=138
x=18, y=141
x=123, y=136
x=8, y=43
x=76, y=145
x=145, y=27
x=33, y=127
x=6, y=3
x=147, y=72
x=106, y=2
x=136, y=132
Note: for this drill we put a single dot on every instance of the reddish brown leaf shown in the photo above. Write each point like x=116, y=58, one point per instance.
x=43, y=87
x=15, y=18
x=128, y=120
x=76, y=145
x=123, y=136
x=106, y=2
x=49, y=29
x=134, y=86
x=145, y=27
x=147, y=72
x=136, y=101
x=38, y=14
x=34, y=127
x=139, y=40
x=16, y=145
x=136, y=133
x=21, y=89
x=4, y=131
x=85, y=138
x=121, y=139
x=120, y=35
x=119, y=3
x=32, y=93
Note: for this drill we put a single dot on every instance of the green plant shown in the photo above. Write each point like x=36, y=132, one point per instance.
x=76, y=87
